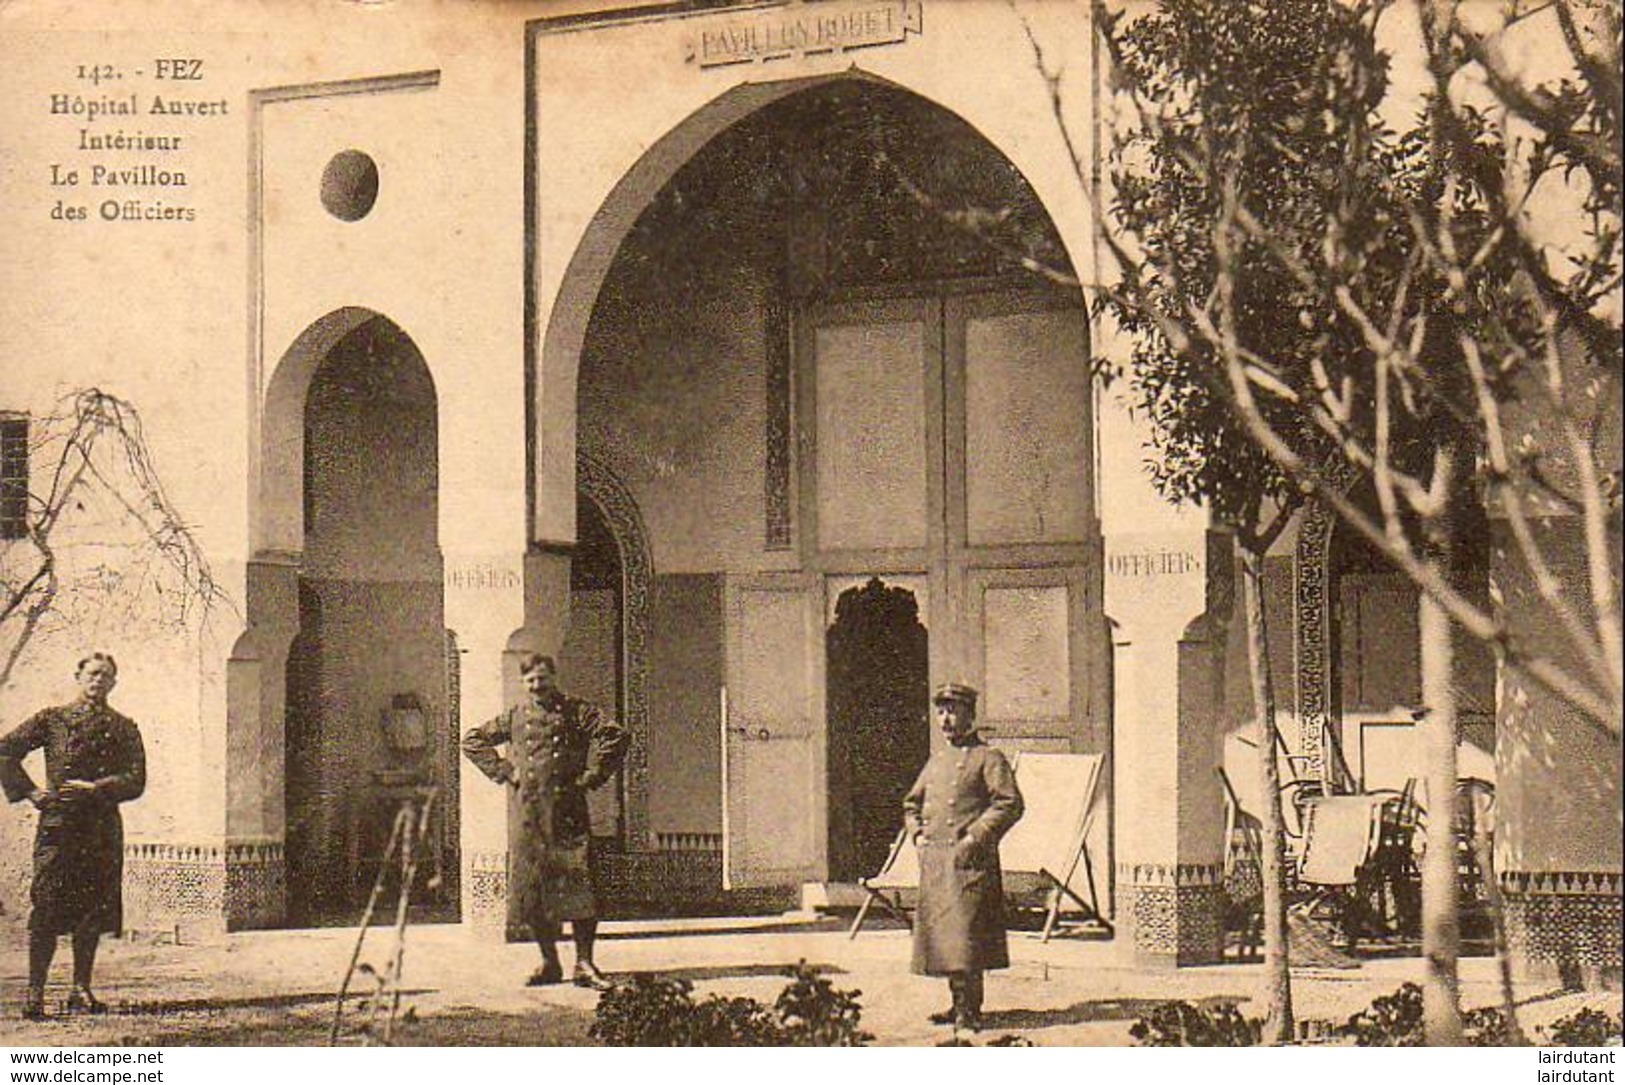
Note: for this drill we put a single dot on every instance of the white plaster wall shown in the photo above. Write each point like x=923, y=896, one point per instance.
x=161, y=315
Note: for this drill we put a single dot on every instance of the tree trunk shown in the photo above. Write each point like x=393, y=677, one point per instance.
x=1278, y=1025
x=1441, y=932
x=1485, y=855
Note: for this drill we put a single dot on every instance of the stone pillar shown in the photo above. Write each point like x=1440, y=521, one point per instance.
x=256, y=757
x=219, y=865
x=483, y=607
x=1169, y=678
x=491, y=677
x=1558, y=810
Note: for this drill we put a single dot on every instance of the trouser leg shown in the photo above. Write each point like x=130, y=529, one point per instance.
x=41, y=949
x=971, y=1001
x=584, y=931
x=85, y=942
x=547, y=940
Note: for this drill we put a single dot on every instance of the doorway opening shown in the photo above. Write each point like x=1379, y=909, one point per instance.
x=877, y=700
x=367, y=686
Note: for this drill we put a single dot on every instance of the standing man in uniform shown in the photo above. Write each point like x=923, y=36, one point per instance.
x=965, y=800
x=94, y=760
x=558, y=749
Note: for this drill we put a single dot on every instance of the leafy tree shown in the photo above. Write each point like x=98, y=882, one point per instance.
x=1251, y=96
x=1258, y=188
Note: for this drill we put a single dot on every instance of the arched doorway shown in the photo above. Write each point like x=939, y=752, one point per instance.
x=879, y=734
x=808, y=376
x=367, y=686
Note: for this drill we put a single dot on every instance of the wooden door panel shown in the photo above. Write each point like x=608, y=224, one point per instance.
x=772, y=733
x=1026, y=633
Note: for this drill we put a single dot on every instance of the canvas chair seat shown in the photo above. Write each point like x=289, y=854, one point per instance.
x=898, y=875
x=1341, y=834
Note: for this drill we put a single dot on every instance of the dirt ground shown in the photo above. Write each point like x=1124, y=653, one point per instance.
x=278, y=988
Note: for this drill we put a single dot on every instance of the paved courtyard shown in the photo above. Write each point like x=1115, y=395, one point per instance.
x=278, y=987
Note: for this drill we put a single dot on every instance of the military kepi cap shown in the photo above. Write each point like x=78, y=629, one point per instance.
x=955, y=691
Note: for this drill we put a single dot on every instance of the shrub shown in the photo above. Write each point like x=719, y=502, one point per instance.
x=1390, y=1021
x=812, y=1012
x=1396, y=1021
x=1486, y=1027
x=1181, y=1024
x=647, y=1012
x=1588, y=1028
x=653, y=1012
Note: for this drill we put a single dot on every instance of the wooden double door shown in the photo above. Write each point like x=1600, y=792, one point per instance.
x=944, y=451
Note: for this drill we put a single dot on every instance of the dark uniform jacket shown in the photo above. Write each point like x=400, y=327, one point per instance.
x=555, y=754
x=965, y=800
x=79, y=843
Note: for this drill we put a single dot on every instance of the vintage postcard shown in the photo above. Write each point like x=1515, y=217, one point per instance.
x=809, y=523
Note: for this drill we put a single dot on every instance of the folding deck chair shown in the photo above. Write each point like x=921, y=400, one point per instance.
x=899, y=874
x=1355, y=854
x=1051, y=841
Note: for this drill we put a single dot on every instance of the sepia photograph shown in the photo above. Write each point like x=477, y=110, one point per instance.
x=811, y=523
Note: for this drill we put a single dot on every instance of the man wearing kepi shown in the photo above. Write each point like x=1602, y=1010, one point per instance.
x=558, y=749
x=94, y=760
x=965, y=800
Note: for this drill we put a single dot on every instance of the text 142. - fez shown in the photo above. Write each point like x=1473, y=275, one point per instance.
x=557, y=751
x=964, y=801
x=79, y=843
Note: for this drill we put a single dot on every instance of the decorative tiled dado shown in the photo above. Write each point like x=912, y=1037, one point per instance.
x=256, y=886
x=1174, y=912
x=664, y=877
x=1179, y=925
x=204, y=886
x=1567, y=920
x=167, y=886
x=670, y=879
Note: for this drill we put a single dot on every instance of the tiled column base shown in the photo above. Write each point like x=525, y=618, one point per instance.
x=1171, y=916
x=256, y=887
x=1565, y=925
x=486, y=912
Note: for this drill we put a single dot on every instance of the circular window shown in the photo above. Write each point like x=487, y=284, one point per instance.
x=350, y=185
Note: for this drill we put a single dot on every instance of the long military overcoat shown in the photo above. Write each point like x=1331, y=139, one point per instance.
x=555, y=753
x=965, y=800
x=78, y=843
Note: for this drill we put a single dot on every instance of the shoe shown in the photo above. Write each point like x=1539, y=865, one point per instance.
x=34, y=1008
x=587, y=975
x=943, y=1017
x=967, y=1021
x=80, y=1000
x=548, y=974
